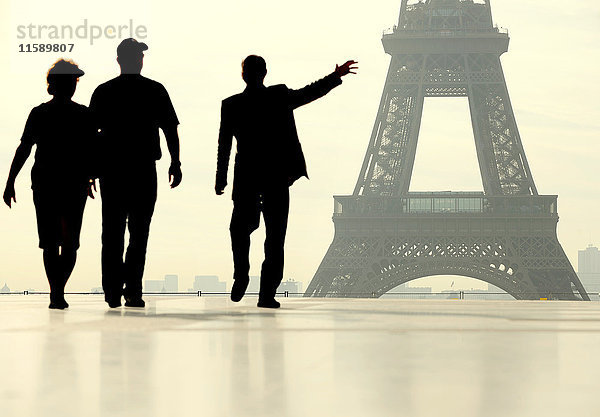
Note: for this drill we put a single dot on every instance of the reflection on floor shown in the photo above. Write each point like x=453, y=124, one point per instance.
x=208, y=357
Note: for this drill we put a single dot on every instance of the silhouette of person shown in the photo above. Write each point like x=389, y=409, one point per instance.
x=62, y=131
x=129, y=110
x=269, y=160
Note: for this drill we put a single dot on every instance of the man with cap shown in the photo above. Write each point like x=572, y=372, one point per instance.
x=268, y=161
x=129, y=110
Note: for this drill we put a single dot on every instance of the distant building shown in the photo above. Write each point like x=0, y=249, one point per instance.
x=451, y=294
x=5, y=289
x=413, y=290
x=254, y=285
x=291, y=286
x=404, y=291
x=154, y=285
x=495, y=293
x=171, y=283
x=209, y=283
x=588, y=268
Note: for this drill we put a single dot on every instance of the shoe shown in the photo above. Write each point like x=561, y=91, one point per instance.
x=134, y=302
x=272, y=303
x=114, y=303
x=58, y=302
x=239, y=289
x=58, y=306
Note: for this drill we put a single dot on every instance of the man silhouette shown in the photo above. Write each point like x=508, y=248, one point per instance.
x=269, y=160
x=129, y=110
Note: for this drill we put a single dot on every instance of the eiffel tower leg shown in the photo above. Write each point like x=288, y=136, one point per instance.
x=342, y=270
x=388, y=164
x=543, y=260
x=504, y=167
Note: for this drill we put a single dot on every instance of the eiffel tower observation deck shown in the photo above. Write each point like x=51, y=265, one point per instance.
x=385, y=235
x=445, y=27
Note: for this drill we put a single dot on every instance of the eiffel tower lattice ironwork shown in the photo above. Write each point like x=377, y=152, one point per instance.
x=385, y=235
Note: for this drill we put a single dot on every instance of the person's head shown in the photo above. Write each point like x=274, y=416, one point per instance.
x=62, y=78
x=254, y=70
x=130, y=56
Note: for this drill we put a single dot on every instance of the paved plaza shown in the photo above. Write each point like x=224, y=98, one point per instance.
x=203, y=356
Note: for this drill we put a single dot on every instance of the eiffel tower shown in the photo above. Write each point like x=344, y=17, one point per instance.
x=385, y=235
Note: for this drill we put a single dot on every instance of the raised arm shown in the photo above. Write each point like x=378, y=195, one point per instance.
x=319, y=88
x=224, y=150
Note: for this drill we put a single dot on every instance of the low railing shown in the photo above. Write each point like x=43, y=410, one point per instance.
x=456, y=295
x=151, y=293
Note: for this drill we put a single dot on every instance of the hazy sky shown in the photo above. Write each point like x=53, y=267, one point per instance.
x=195, y=51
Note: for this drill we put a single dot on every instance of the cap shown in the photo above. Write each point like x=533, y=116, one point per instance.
x=130, y=47
x=64, y=67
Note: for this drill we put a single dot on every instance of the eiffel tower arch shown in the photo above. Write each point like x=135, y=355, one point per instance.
x=385, y=235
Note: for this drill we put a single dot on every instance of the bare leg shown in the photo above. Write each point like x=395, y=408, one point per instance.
x=52, y=264
x=68, y=256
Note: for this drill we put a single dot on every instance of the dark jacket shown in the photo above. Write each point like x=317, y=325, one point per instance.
x=268, y=150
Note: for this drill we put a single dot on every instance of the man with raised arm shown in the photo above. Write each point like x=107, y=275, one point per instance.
x=129, y=110
x=268, y=161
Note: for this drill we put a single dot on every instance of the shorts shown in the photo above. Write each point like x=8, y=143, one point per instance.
x=59, y=216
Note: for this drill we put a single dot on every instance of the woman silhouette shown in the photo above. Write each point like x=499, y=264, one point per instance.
x=62, y=131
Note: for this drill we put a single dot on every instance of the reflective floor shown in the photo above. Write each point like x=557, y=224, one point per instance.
x=208, y=357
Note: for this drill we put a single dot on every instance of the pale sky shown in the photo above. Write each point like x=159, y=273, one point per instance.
x=195, y=50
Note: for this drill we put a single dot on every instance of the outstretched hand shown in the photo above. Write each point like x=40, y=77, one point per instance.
x=9, y=195
x=346, y=68
x=175, y=175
